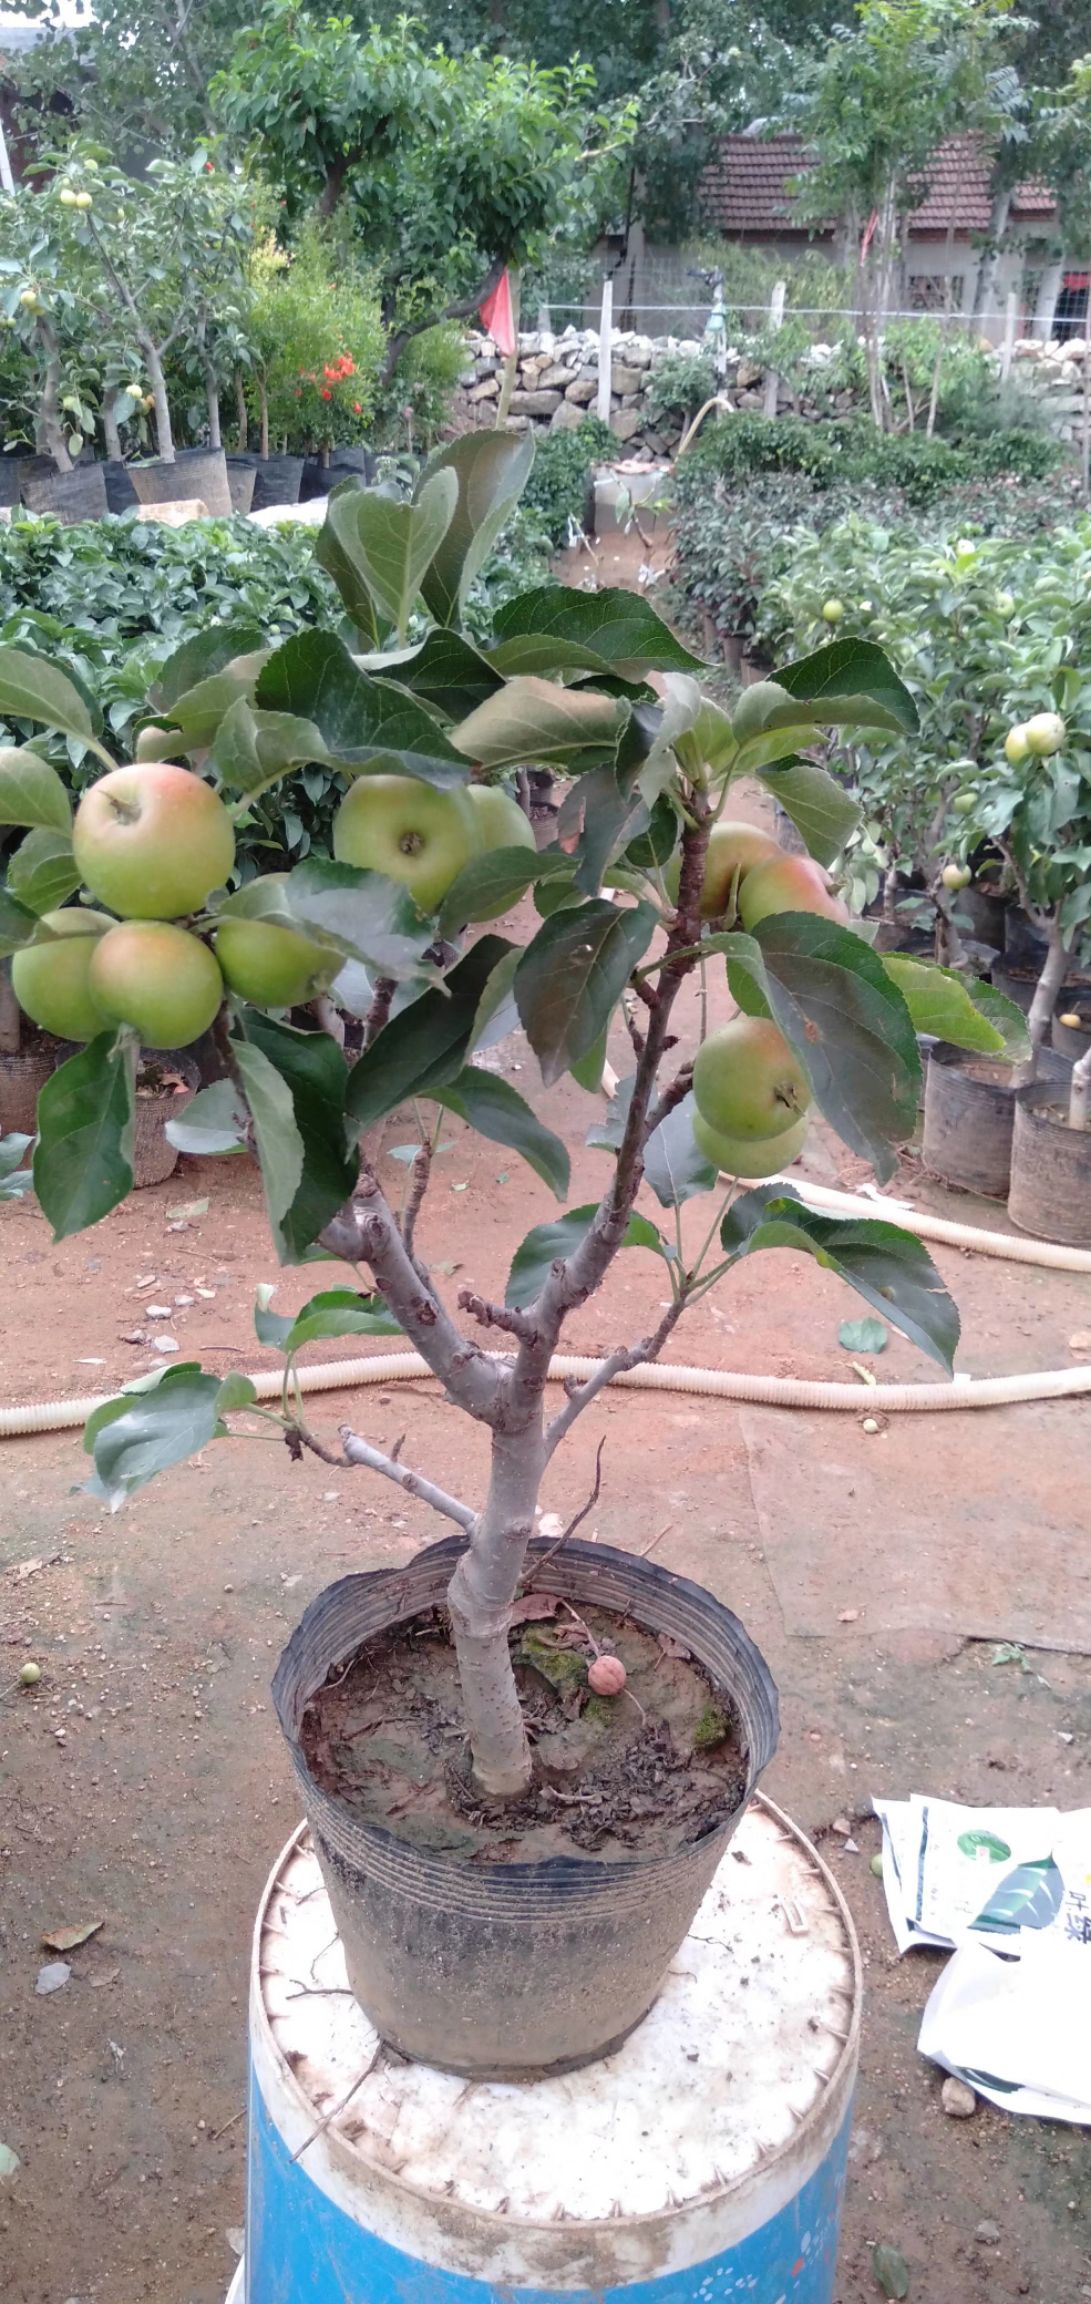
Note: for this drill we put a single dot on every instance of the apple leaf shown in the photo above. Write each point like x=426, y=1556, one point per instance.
x=312, y=1069
x=363, y=722
x=365, y=915
x=336, y=1312
x=43, y=872
x=867, y=1335
x=138, y=1434
x=427, y=1043
x=548, y=1243
x=446, y=670
x=83, y=1160
x=198, y=660
x=851, y=683
x=674, y=1165
x=492, y=470
x=279, y=1142
x=493, y=1108
x=889, y=1268
x=689, y=729
x=33, y=689
x=252, y=750
x=967, y=1014
x=572, y=975
x=31, y=792
x=199, y=711
x=488, y=885
x=611, y=630
x=819, y=807
x=213, y=1122
x=17, y=924
x=533, y=721
x=379, y=548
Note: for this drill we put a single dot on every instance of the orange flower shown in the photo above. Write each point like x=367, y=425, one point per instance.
x=357, y=409
x=326, y=393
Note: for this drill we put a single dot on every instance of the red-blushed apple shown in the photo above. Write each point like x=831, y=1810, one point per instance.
x=754, y=1158
x=409, y=831
x=152, y=841
x=158, y=978
x=734, y=849
x=270, y=965
x=51, y=977
x=787, y=884
x=501, y=821
x=746, y=1081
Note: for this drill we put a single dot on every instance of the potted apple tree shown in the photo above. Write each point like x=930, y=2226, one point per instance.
x=565, y=1780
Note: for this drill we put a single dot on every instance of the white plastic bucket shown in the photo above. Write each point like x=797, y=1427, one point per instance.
x=705, y=2160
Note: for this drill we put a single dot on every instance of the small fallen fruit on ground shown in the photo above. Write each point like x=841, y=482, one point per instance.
x=876, y=1865
x=29, y=1674
x=607, y=1676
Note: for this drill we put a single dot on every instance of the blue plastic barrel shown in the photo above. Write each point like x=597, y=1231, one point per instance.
x=704, y=2161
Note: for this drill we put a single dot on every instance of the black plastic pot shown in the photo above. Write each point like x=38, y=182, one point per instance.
x=276, y=481
x=969, y=1110
x=510, y=1971
x=195, y=472
x=68, y=496
x=154, y=1156
x=1072, y=1040
x=1050, y=1192
x=1024, y=948
x=120, y=493
x=987, y=915
x=241, y=475
x=9, y=480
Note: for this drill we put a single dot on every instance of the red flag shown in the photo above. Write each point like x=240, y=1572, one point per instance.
x=497, y=316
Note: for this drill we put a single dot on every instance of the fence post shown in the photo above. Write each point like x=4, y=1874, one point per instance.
x=776, y=321
x=1011, y=311
x=606, y=330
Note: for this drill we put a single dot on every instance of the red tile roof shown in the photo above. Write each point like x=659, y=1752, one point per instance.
x=745, y=189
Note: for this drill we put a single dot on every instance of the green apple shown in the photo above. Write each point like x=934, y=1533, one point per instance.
x=753, y=1158
x=270, y=965
x=787, y=884
x=734, y=849
x=964, y=803
x=83, y=200
x=158, y=978
x=1016, y=747
x=1005, y=604
x=410, y=831
x=66, y=196
x=500, y=820
x=746, y=1081
x=152, y=841
x=1044, y=733
x=832, y=611
x=955, y=876
x=51, y=977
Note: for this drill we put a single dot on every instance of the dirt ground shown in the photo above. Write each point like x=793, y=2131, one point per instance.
x=144, y=1784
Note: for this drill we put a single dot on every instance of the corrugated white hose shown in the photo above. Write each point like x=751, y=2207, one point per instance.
x=713, y=1383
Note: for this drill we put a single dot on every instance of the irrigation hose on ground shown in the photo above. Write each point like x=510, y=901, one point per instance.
x=712, y=1383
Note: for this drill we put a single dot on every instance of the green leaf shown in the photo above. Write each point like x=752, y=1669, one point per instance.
x=446, y=670
x=17, y=924
x=492, y=469
x=863, y=1335
x=253, y=750
x=43, y=872
x=534, y=721
x=490, y=884
x=312, y=1068
x=607, y=818
x=213, y=1122
x=13, y=1150
x=362, y=722
x=845, y=1019
x=851, y=682
x=610, y=631
x=547, y=1244
x=198, y=660
x=891, y=2271
x=605, y=1134
x=279, y=1142
x=139, y=1434
x=198, y=713
x=378, y=548
x=83, y=1161
x=496, y=1110
x=818, y=806
x=336, y=1312
x=366, y=916
x=572, y=975
x=427, y=1044
x=889, y=1268
x=673, y=1165
x=1029, y=1897
x=31, y=792
x=588, y=1072
x=33, y=689
x=943, y=1003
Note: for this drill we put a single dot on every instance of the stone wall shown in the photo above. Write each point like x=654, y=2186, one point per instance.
x=1054, y=373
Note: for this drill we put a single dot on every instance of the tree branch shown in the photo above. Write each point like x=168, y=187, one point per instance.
x=379, y=1012
x=462, y=308
x=357, y=1452
x=505, y=1316
x=627, y=1356
x=418, y=1186
x=366, y=1232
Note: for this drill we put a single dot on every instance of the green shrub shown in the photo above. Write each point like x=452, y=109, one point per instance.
x=417, y=400
x=681, y=383
x=556, y=493
x=924, y=468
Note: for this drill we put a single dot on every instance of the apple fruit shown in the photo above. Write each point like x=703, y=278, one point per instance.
x=1016, y=748
x=734, y=849
x=51, y=978
x=955, y=876
x=83, y=200
x=500, y=820
x=832, y=611
x=66, y=196
x=271, y=965
x=787, y=884
x=410, y=831
x=747, y=1082
x=751, y=1158
x=1005, y=604
x=158, y=978
x=1045, y=732
x=153, y=840
x=964, y=803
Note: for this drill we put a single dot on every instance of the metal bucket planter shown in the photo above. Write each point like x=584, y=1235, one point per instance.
x=511, y=1970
